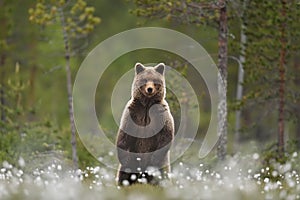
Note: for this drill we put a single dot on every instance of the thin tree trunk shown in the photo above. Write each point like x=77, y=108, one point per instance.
x=222, y=82
x=69, y=90
x=2, y=89
x=239, y=91
x=297, y=83
x=282, y=79
x=32, y=81
x=31, y=98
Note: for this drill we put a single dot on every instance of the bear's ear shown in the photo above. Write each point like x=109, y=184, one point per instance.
x=139, y=68
x=160, y=68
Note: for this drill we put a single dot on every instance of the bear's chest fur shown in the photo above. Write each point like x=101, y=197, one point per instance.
x=149, y=120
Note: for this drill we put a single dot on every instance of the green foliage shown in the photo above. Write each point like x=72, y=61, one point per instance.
x=190, y=12
x=80, y=19
x=276, y=167
x=175, y=103
x=263, y=35
x=18, y=138
x=6, y=23
x=13, y=110
x=263, y=22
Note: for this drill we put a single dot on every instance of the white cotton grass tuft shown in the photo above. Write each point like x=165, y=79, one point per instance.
x=238, y=176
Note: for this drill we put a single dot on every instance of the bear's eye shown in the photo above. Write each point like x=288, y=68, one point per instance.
x=157, y=86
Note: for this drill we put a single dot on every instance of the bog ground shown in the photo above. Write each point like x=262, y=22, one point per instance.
x=239, y=177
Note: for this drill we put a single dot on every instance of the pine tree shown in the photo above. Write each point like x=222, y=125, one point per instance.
x=271, y=45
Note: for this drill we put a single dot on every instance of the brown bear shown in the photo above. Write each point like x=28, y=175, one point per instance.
x=146, y=130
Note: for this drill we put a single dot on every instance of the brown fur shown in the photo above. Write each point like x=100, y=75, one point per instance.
x=146, y=129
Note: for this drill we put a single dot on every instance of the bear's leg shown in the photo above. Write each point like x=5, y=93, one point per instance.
x=150, y=179
x=127, y=178
x=122, y=177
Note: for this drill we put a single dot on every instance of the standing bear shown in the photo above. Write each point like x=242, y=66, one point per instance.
x=146, y=130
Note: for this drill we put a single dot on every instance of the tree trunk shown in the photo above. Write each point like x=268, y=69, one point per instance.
x=239, y=91
x=222, y=82
x=297, y=110
x=2, y=89
x=32, y=80
x=69, y=90
x=282, y=79
x=31, y=98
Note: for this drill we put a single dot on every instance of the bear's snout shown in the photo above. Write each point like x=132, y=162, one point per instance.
x=149, y=89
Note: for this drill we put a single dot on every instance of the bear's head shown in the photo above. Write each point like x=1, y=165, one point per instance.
x=149, y=82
